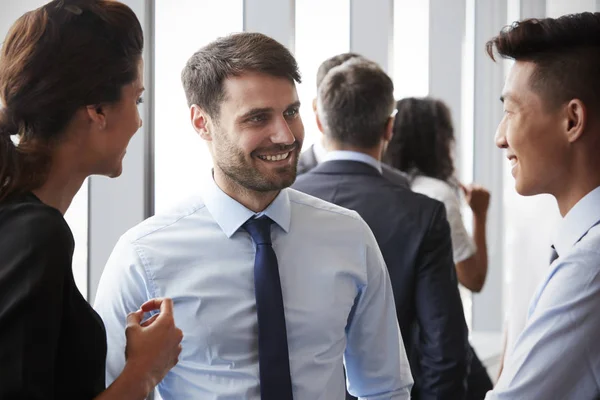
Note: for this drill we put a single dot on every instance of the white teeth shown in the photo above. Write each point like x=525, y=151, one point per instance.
x=513, y=162
x=278, y=157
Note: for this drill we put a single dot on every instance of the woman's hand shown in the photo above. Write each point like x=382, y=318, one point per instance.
x=478, y=198
x=153, y=347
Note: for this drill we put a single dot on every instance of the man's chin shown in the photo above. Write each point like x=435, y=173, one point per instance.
x=276, y=182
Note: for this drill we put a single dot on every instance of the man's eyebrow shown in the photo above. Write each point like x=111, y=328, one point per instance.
x=508, y=96
x=256, y=111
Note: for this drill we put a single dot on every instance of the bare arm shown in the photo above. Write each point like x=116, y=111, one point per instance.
x=472, y=272
x=130, y=385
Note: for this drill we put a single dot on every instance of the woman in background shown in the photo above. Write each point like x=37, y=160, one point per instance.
x=71, y=78
x=422, y=146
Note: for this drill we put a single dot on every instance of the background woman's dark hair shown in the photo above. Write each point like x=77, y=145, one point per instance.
x=56, y=59
x=422, y=140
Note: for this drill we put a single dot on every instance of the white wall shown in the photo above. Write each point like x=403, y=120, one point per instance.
x=10, y=11
x=556, y=8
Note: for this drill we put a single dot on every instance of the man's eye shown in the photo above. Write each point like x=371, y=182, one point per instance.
x=258, y=118
x=139, y=101
x=291, y=113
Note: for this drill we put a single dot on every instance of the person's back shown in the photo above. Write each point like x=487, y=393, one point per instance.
x=411, y=229
x=408, y=230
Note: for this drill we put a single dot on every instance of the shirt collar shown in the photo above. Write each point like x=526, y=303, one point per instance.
x=353, y=156
x=578, y=221
x=230, y=215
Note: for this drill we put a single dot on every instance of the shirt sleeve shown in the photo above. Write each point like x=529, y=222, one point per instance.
x=557, y=355
x=35, y=255
x=376, y=364
x=463, y=245
x=123, y=288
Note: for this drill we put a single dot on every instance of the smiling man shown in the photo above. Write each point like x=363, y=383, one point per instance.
x=551, y=134
x=273, y=289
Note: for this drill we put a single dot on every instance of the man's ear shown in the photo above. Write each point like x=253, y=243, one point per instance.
x=200, y=121
x=314, y=105
x=319, y=124
x=97, y=115
x=576, y=120
x=389, y=130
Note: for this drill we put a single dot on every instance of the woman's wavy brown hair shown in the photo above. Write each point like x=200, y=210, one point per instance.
x=56, y=59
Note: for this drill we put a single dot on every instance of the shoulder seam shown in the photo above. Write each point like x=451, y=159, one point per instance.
x=193, y=211
x=353, y=214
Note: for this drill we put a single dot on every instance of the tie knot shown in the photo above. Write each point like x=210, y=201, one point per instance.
x=259, y=229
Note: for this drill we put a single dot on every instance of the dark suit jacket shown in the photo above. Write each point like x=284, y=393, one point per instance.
x=414, y=237
x=308, y=161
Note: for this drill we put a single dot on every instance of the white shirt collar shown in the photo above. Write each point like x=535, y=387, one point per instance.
x=578, y=221
x=353, y=156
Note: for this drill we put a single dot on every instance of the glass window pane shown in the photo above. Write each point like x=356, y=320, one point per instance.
x=322, y=31
x=181, y=30
x=411, y=48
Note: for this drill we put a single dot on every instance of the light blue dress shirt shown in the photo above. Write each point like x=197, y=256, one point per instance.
x=558, y=354
x=337, y=295
x=353, y=156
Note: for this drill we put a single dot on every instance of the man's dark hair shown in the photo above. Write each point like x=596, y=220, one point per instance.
x=355, y=102
x=332, y=62
x=233, y=55
x=422, y=139
x=566, y=54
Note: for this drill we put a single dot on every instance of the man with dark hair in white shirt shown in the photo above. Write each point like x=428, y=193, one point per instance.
x=551, y=134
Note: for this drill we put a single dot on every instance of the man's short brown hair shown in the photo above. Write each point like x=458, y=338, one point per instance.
x=332, y=62
x=565, y=52
x=355, y=102
x=233, y=55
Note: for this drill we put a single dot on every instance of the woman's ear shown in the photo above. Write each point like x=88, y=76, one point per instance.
x=97, y=115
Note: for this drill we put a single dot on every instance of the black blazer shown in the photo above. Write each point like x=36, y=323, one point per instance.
x=308, y=160
x=414, y=236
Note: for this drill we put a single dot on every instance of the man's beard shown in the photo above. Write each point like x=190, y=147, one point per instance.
x=240, y=170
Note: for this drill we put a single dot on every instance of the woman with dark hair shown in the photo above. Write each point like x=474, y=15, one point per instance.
x=71, y=77
x=422, y=146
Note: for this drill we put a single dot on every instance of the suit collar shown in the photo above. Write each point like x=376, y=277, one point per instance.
x=350, y=167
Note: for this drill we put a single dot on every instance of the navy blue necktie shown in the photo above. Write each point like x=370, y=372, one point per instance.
x=273, y=357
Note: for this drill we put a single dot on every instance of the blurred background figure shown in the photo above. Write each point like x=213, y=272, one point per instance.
x=422, y=146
